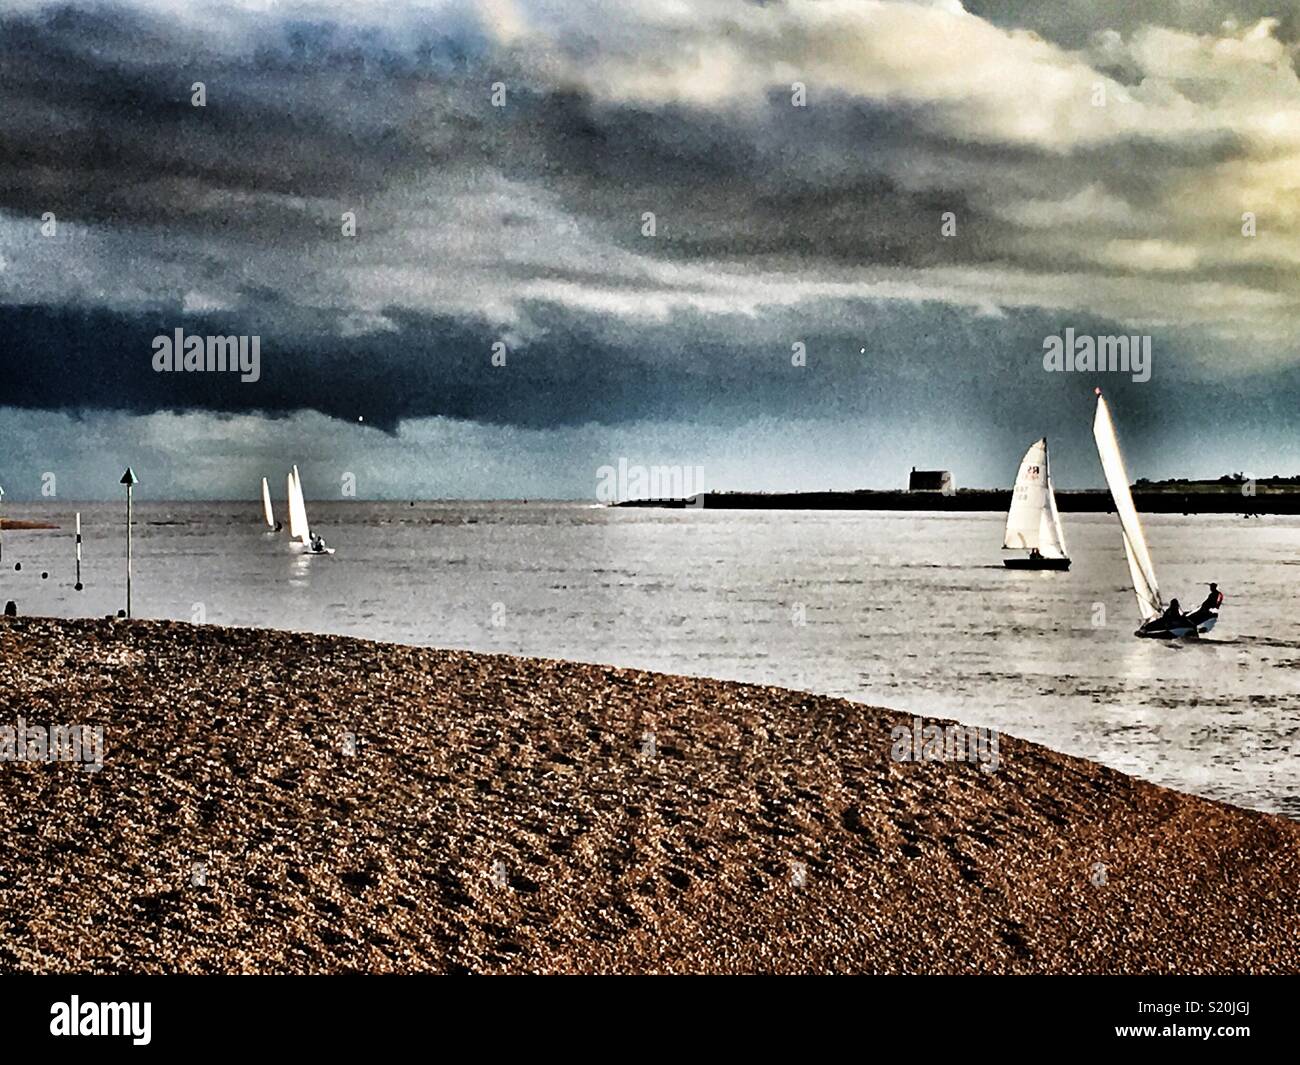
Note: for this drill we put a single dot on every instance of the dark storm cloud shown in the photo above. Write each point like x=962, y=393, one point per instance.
x=882, y=363
x=99, y=128
x=524, y=222
x=823, y=186
x=576, y=371
x=98, y=123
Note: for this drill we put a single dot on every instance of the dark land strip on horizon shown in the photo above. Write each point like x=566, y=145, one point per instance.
x=1266, y=500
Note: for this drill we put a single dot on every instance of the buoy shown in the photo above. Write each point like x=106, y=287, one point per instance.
x=11, y=609
x=17, y=566
x=45, y=576
x=78, y=586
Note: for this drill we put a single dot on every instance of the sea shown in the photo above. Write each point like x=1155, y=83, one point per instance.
x=906, y=610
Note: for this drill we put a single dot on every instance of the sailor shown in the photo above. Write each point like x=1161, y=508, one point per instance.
x=317, y=544
x=1212, y=601
x=278, y=526
x=1035, y=553
x=1173, y=615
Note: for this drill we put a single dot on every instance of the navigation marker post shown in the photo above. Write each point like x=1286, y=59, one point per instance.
x=78, y=584
x=129, y=479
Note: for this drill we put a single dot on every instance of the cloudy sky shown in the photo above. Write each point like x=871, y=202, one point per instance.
x=1096, y=159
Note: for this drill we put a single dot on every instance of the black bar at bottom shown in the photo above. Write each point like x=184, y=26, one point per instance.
x=336, y=1014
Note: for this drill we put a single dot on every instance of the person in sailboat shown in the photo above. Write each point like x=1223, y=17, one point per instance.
x=1173, y=616
x=1208, y=609
x=317, y=544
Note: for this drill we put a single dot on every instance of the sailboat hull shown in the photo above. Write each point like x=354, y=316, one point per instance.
x=1193, y=625
x=1160, y=633
x=1036, y=563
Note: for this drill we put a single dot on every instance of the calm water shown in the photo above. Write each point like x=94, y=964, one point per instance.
x=913, y=612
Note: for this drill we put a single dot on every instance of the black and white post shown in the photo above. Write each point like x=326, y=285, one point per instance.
x=2, y=525
x=78, y=584
x=128, y=479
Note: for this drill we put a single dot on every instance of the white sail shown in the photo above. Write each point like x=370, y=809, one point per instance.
x=1050, y=532
x=267, y=512
x=298, y=528
x=304, y=530
x=292, y=509
x=1033, y=522
x=1135, y=544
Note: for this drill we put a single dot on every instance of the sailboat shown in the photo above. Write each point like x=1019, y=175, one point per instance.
x=1033, y=522
x=1150, y=606
x=267, y=513
x=299, y=529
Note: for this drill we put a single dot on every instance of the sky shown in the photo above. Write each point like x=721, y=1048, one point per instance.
x=802, y=245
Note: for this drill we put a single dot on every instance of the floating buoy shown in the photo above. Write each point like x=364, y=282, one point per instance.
x=78, y=586
x=17, y=566
x=45, y=576
x=11, y=609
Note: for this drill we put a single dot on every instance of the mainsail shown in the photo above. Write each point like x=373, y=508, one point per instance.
x=1033, y=522
x=267, y=512
x=1135, y=544
x=298, y=529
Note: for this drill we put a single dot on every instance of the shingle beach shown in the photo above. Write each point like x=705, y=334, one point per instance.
x=278, y=802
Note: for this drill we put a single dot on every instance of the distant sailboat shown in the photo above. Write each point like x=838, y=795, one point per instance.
x=297, y=512
x=267, y=512
x=1033, y=522
x=1150, y=606
x=298, y=527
